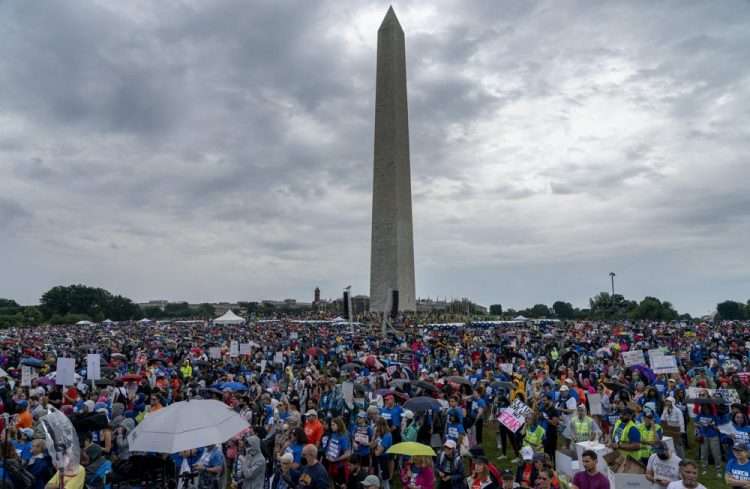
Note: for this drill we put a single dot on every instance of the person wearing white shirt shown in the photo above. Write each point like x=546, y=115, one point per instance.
x=688, y=477
x=663, y=467
x=672, y=417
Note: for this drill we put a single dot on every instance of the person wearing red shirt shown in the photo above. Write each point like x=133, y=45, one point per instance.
x=590, y=478
x=313, y=427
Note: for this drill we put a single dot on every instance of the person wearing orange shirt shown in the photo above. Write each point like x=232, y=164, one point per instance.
x=25, y=419
x=313, y=427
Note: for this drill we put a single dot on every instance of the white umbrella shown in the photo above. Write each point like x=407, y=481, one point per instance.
x=186, y=425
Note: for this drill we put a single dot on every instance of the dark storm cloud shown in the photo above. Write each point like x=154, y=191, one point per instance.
x=234, y=139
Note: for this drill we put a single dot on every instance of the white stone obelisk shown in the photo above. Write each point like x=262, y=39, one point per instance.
x=392, y=252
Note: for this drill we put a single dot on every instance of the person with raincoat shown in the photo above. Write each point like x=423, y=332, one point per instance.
x=250, y=467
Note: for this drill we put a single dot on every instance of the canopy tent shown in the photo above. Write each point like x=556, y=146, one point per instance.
x=84, y=323
x=229, y=317
x=108, y=321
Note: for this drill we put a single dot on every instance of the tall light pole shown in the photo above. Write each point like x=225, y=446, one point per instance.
x=612, y=278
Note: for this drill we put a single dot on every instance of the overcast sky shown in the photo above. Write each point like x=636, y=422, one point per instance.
x=222, y=150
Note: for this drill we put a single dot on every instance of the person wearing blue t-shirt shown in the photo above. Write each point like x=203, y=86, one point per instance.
x=737, y=473
x=382, y=461
x=477, y=409
x=454, y=428
x=392, y=413
x=361, y=434
x=336, y=450
x=707, y=423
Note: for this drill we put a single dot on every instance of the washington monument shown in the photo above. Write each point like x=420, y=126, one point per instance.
x=392, y=252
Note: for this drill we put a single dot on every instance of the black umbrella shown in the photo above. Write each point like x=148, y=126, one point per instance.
x=706, y=400
x=457, y=379
x=421, y=384
x=421, y=404
x=399, y=382
x=350, y=366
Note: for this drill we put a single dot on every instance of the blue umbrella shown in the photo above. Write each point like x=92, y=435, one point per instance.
x=232, y=386
x=421, y=404
x=32, y=362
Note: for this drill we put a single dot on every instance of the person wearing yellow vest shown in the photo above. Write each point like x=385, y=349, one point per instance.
x=626, y=438
x=582, y=427
x=186, y=370
x=651, y=433
x=534, y=433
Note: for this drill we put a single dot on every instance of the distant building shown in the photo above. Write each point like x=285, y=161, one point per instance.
x=316, y=299
x=161, y=304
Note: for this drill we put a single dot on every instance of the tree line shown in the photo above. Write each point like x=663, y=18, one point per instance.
x=73, y=303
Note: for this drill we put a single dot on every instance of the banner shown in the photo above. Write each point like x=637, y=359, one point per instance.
x=234, y=349
x=214, y=353
x=93, y=366
x=634, y=357
x=514, y=417
x=729, y=396
x=595, y=404
x=664, y=364
x=65, y=371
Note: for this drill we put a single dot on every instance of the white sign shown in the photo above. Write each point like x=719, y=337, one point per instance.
x=25, y=376
x=263, y=364
x=634, y=357
x=729, y=396
x=234, y=349
x=507, y=368
x=214, y=353
x=347, y=392
x=595, y=404
x=93, y=366
x=514, y=417
x=657, y=352
x=244, y=348
x=664, y=364
x=278, y=358
x=65, y=371
x=293, y=336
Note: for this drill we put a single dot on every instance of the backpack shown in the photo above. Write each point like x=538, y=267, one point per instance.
x=21, y=477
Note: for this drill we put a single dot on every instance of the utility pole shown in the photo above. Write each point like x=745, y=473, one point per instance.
x=612, y=279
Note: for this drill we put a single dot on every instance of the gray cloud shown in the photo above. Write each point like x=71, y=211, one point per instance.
x=222, y=150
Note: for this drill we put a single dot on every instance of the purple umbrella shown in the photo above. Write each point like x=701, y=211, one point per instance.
x=645, y=373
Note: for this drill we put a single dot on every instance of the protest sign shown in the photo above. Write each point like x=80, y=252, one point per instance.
x=93, y=366
x=507, y=368
x=595, y=404
x=234, y=349
x=729, y=396
x=347, y=392
x=65, y=371
x=214, y=353
x=664, y=364
x=634, y=357
x=244, y=348
x=278, y=358
x=263, y=364
x=25, y=376
x=293, y=336
x=514, y=417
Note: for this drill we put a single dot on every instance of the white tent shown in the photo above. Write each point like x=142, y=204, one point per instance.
x=229, y=317
x=108, y=321
x=84, y=323
x=520, y=318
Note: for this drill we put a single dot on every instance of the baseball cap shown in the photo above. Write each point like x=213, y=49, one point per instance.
x=481, y=459
x=508, y=475
x=564, y=388
x=371, y=481
x=740, y=446
x=311, y=412
x=660, y=447
x=450, y=443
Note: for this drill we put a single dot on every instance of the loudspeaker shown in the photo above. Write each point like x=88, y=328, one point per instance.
x=346, y=304
x=394, y=303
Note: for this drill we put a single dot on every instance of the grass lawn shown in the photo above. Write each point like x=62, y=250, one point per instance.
x=709, y=480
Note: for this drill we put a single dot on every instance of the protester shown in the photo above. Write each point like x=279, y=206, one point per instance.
x=590, y=477
x=737, y=474
x=663, y=466
x=688, y=477
x=312, y=475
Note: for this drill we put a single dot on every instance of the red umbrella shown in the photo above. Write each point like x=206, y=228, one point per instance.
x=373, y=362
x=312, y=351
x=130, y=378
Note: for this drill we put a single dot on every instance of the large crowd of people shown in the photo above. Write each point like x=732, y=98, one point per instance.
x=326, y=400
